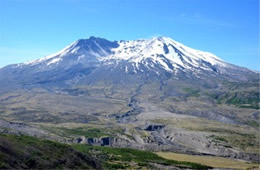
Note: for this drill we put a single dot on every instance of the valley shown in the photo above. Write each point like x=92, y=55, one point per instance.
x=143, y=121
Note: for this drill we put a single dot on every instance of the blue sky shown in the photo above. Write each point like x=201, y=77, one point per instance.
x=30, y=29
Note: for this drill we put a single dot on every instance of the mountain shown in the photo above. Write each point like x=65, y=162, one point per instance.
x=94, y=59
x=155, y=94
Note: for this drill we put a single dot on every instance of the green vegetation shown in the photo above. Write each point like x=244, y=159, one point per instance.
x=240, y=99
x=192, y=92
x=218, y=138
x=229, y=132
x=254, y=123
x=246, y=142
x=24, y=152
x=250, y=100
x=244, y=95
x=90, y=132
x=93, y=132
x=126, y=158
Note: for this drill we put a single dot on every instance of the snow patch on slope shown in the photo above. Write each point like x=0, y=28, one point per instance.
x=53, y=61
x=57, y=56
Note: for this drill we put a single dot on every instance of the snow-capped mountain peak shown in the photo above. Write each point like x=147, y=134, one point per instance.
x=97, y=59
x=149, y=54
x=81, y=51
x=163, y=51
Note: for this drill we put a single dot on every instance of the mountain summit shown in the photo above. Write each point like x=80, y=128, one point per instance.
x=96, y=59
x=161, y=52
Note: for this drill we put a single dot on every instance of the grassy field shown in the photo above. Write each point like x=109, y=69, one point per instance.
x=126, y=158
x=216, y=162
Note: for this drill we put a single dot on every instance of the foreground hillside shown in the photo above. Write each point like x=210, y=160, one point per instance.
x=23, y=152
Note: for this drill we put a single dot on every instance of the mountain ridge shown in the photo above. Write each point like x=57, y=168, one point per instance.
x=156, y=57
x=81, y=42
x=74, y=46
